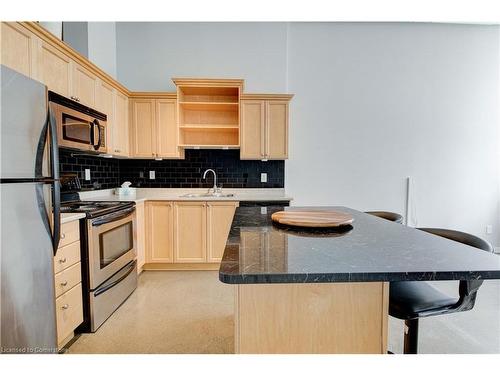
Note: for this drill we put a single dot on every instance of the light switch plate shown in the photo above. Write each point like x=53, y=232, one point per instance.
x=263, y=177
x=87, y=174
x=152, y=175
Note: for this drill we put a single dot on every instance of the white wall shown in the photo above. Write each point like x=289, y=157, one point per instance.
x=378, y=102
x=77, y=36
x=374, y=103
x=150, y=54
x=102, y=45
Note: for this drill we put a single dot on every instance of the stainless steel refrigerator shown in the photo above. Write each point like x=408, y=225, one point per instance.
x=30, y=216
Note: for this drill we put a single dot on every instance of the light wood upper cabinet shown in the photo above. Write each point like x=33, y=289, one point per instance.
x=276, y=130
x=53, y=68
x=18, y=48
x=120, y=139
x=105, y=103
x=143, y=141
x=253, y=129
x=166, y=129
x=264, y=127
x=219, y=219
x=154, y=128
x=84, y=85
x=159, y=232
x=190, y=241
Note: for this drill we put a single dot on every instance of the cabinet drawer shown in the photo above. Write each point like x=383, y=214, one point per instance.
x=70, y=232
x=67, y=279
x=69, y=312
x=67, y=256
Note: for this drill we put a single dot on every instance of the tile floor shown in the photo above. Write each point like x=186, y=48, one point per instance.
x=192, y=312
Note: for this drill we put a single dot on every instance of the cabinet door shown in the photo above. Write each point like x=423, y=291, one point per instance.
x=106, y=104
x=140, y=235
x=120, y=126
x=219, y=219
x=166, y=128
x=143, y=140
x=18, y=47
x=252, y=129
x=84, y=85
x=159, y=227
x=277, y=130
x=190, y=232
x=53, y=68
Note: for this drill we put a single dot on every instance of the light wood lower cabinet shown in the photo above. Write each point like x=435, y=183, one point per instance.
x=67, y=283
x=187, y=232
x=159, y=232
x=190, y=226
x=219, y=219
x=140, y=235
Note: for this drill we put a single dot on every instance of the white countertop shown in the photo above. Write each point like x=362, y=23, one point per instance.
x=68, y=217
x=143, y=194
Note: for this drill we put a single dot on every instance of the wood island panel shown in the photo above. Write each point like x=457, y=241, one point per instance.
x=311, y=318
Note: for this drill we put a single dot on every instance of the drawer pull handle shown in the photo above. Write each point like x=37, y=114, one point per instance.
x=65, y=306
x=62, y=260
x=64, y=283
x=63, y=236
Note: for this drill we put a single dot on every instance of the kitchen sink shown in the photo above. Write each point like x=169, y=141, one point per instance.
x=207, y=195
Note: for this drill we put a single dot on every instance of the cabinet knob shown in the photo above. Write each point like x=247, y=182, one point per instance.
x=117, y=150
x=64, y=283
x=62, y=260
x=65, y=306
x=63, y=236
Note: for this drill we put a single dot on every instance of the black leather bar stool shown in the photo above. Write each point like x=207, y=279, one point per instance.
x=391, y=216
x=411, y=300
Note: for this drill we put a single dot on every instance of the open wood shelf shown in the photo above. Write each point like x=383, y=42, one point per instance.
x=209, y=106
x=209, y=114
x=209, y=126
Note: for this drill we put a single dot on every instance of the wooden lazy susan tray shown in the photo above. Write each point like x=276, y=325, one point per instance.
x=312, y=219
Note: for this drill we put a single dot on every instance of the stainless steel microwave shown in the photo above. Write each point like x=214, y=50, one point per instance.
x=78, y=126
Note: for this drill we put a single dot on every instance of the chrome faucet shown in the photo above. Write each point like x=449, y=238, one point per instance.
x=215, y=178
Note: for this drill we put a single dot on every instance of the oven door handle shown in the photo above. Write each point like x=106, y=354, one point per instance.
x=106, y=287
x=112, y=217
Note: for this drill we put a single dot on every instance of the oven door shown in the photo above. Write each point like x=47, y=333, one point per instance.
x=111, y=244
x=78, y=130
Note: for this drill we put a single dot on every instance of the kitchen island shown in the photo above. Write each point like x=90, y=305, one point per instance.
x=328, y=291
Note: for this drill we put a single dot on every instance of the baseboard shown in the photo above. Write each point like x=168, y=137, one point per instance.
x=181, y=267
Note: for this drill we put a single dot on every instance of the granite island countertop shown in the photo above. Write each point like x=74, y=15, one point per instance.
x=373, y=249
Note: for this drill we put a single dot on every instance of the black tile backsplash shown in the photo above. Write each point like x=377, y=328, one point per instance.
x=231, y=171
x=104, y=173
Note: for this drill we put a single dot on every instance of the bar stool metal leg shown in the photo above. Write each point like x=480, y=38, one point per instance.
x=411, y=336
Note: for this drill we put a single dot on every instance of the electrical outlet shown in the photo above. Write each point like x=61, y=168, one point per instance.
x=489, y=229
x=152, y=175
x=87, y=174
x=263, y=210
x=141, y=174
x=263, y=177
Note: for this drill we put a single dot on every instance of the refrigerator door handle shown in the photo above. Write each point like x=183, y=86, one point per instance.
x=56, y=187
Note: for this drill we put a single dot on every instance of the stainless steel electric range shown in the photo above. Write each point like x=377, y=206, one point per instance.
x=109, y=268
